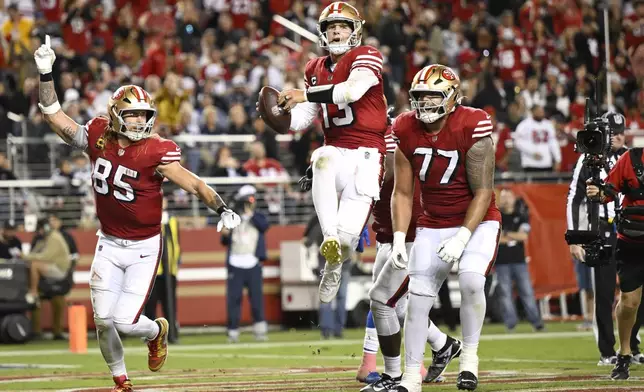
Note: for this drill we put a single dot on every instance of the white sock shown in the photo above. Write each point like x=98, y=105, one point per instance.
x=416, y=326
x=325, y=196
x=469, y=360
x=111, y=347
x=435, y=337
x=392, y=366
x=371, y=344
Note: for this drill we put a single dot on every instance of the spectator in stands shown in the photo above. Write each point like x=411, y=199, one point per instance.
x=50, y=258
x=16, y=31
x=239, y=124
x=511, y=266
x=567, y=143
x=168, y=103
x=267, y=137
x=10, y=245
x=226, y=165
x=246, y=253
x=536, y=139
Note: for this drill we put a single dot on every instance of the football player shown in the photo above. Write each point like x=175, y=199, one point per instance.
x=389, y=296
x=447, y=148
x=129, y=164
x=346, y=87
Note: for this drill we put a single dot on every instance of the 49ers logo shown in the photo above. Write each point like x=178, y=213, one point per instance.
x=447, y=74
x=118, y=94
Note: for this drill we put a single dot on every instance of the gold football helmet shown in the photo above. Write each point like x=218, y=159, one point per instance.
x=340, y=11
x=436, y=82
x=131, y=98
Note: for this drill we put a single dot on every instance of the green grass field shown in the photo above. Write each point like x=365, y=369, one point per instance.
x=560, y=359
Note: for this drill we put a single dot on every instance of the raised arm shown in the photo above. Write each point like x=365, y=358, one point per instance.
x=69, y=130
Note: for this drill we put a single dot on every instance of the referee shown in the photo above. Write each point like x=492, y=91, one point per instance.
x=604, y=279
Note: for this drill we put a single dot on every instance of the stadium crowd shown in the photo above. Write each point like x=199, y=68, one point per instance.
x=204, y=62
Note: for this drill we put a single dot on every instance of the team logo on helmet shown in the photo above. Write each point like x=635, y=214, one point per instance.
x=447, y=74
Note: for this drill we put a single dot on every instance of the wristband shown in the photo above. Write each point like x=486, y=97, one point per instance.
x=221, y=210
x=51, y=109
x=48, y=77
x=320, y=94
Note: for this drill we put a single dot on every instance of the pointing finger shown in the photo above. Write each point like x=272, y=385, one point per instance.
x=47, y=41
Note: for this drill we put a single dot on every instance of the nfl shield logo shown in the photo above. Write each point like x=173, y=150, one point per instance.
x=121, y=152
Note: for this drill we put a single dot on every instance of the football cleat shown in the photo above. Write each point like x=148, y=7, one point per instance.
x=331, y=250
x=621, y=371
x=637, y=359
x=607, y=361
x=467, y=381
x=158, y=347
x=123, y=384
x=442, y=358
x=383, y=384
x=330, y=282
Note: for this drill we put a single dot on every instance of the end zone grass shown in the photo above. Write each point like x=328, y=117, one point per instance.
x=560, y=359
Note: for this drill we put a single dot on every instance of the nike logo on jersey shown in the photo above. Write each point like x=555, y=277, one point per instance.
x=143, y=256
x=372, y=51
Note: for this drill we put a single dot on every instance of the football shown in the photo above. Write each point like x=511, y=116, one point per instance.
x=275, y=117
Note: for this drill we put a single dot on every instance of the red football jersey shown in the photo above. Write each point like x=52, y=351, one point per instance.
x=382, y=225
x=359, y=124
x=635, y=35
x=127, y=188
x=438, y=161
x=511, y=60
x=51, y=10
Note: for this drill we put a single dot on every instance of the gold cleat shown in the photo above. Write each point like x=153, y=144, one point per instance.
x=331, y=250
x=158, y=347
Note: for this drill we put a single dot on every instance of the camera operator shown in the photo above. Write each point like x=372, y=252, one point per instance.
x=604, y=278
x=626, y=177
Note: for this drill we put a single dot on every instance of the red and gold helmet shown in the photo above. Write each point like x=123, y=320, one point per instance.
x=340, y=11
x=131, y=98
x=436, y=81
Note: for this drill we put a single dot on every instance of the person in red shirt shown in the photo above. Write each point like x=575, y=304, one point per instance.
x=634, y=25
x=448, y=148
x=129, y=165
x=567, y=141
x=625, y=178
x=346, y=89
x=511, y=59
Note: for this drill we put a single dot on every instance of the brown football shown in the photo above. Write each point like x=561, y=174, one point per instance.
x=275, y=117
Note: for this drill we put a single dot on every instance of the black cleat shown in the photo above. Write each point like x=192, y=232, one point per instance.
x=620, y=371
x=383, y=384
x=442, y=358
x=467, y=381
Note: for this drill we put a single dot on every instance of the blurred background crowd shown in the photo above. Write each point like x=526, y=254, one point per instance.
x=204, y=62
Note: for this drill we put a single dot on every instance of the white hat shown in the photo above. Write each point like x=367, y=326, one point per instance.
x=245, y=191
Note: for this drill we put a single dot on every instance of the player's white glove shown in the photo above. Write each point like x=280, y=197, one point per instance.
x=451, y=249
x=228, y=219
x=45, y=57
x=399, y=251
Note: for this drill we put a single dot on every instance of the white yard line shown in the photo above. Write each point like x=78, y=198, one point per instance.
x=304, y=344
